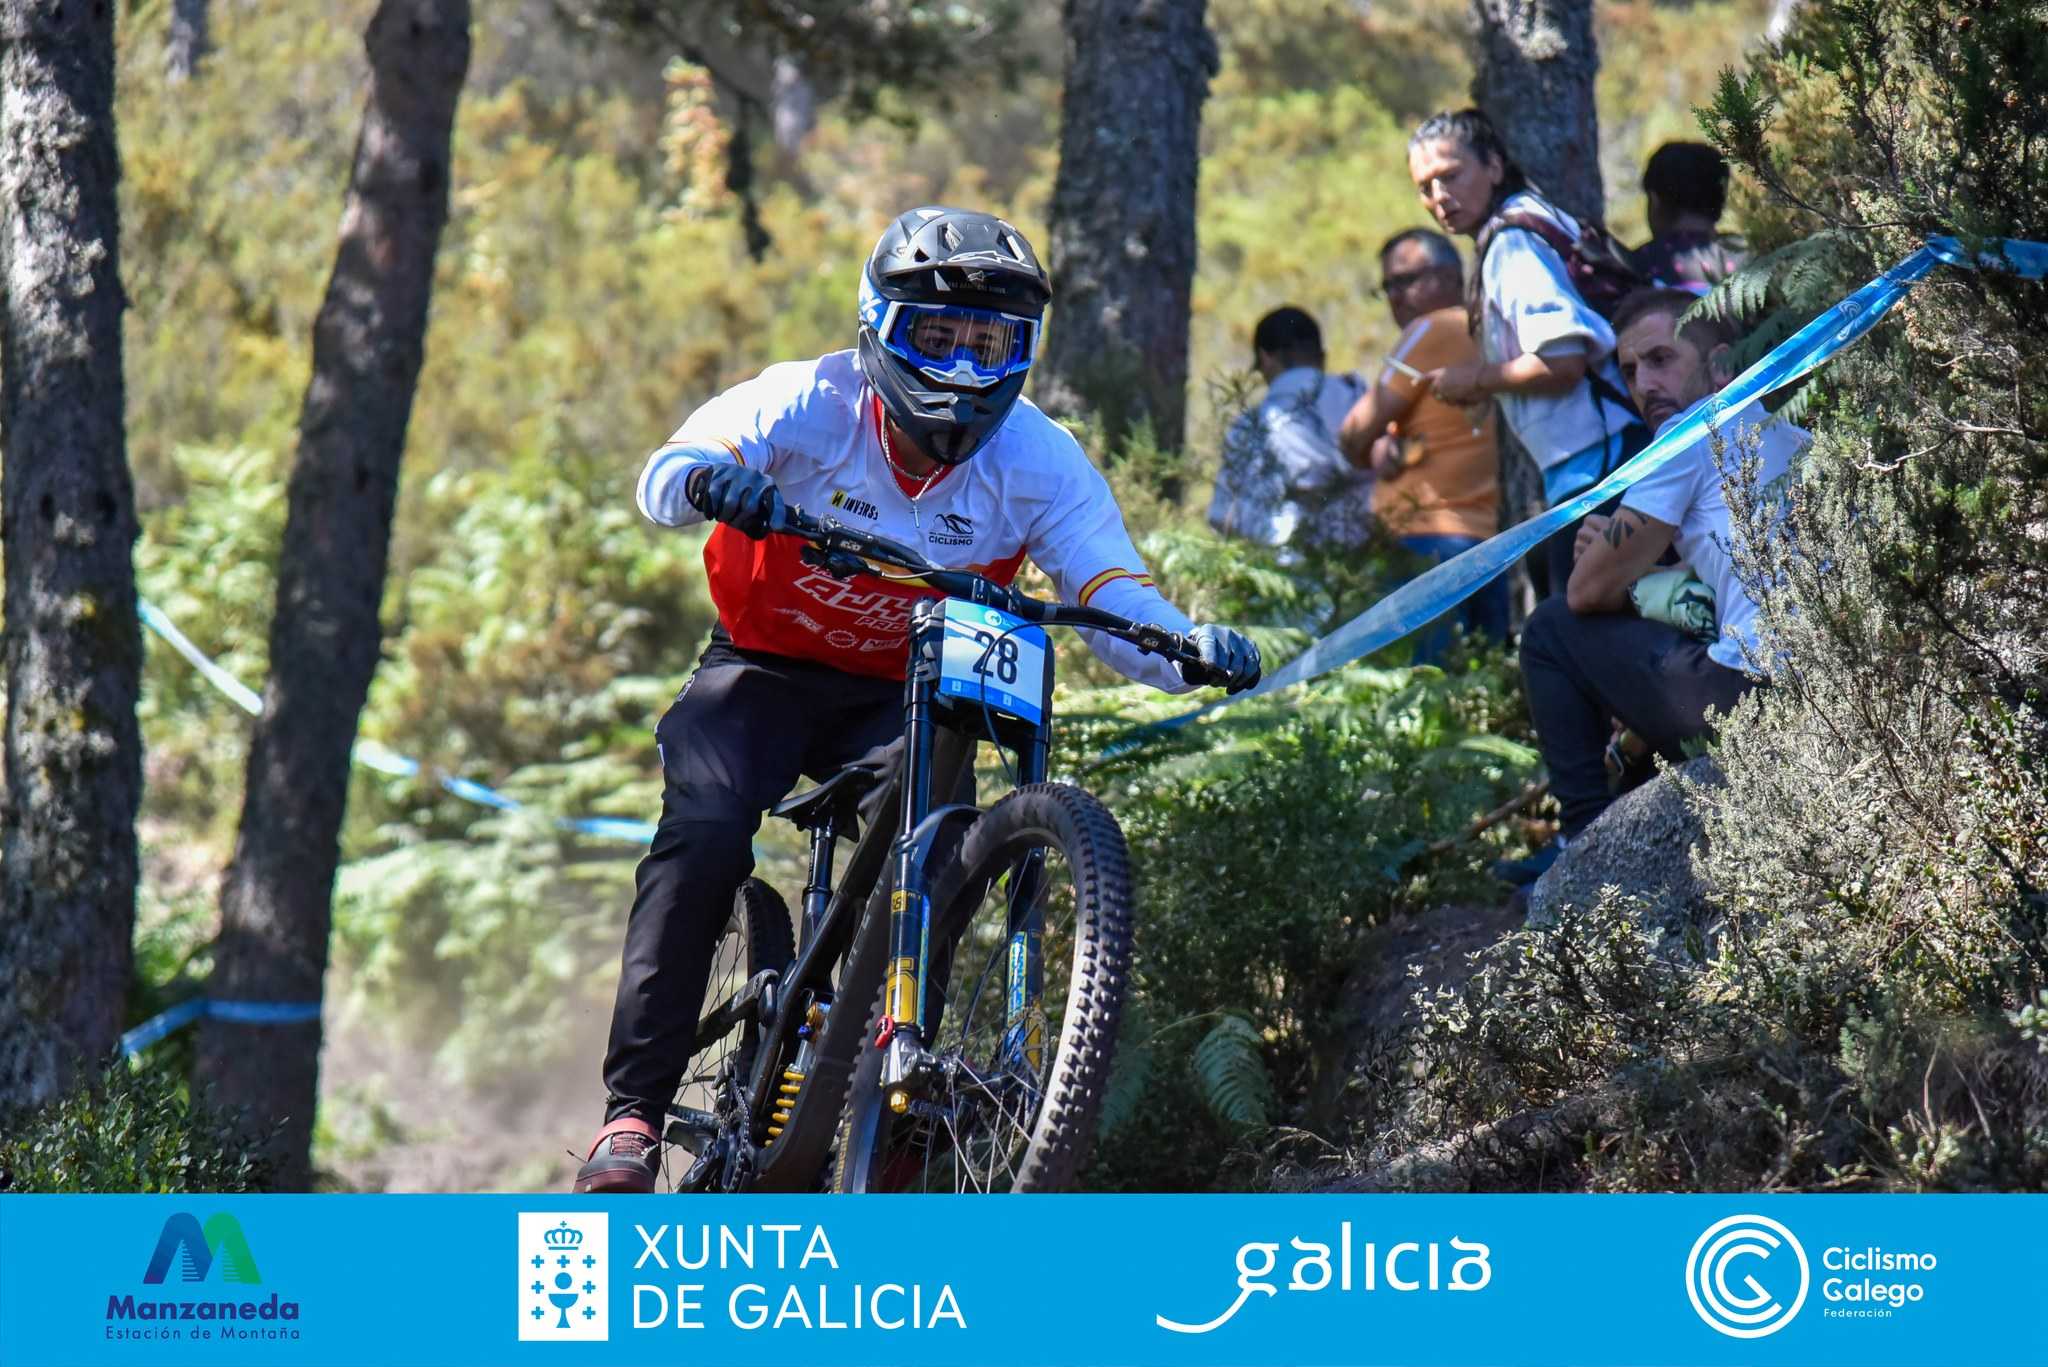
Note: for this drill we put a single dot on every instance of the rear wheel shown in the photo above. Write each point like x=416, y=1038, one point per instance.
x=757, y=936
x=1030, y=957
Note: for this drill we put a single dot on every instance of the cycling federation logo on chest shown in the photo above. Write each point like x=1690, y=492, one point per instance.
x=951, y=529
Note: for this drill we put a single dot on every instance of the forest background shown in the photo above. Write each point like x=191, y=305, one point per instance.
x=595, y=281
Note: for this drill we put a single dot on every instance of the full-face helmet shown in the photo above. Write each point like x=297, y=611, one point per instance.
x=951, y=304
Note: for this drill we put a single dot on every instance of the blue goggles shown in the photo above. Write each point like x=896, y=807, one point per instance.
x=953, y=344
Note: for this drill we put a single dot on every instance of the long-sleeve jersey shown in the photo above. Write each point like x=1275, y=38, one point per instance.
x=815, y=428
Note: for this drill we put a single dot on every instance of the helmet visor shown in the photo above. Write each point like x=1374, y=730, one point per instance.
x=957, y=345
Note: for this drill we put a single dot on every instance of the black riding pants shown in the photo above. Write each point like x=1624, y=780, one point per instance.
x=736, y=739
x=1582, y=670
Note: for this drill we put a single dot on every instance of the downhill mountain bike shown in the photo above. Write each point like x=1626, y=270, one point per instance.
x=942, y=1014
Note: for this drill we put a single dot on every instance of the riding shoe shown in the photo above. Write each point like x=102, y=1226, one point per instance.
x=624, y=1159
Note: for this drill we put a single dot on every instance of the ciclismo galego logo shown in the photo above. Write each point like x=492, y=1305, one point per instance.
x=206, y=1281
x=1747, y=1276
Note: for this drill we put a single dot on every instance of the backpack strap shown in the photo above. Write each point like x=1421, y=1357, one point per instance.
x=1564, y=244
x=1558, y=239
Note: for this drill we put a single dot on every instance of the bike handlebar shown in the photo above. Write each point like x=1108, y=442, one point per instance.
x=847, y=551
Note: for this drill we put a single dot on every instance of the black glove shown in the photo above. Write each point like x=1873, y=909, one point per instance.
x=1228, y=658
x=733, y=494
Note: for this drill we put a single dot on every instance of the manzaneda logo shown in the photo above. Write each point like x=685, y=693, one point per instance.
x=188, y=1252
x=221, y=1239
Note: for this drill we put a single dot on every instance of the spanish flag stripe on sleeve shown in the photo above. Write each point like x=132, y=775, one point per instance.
x=1094, y=586
x=734, y=449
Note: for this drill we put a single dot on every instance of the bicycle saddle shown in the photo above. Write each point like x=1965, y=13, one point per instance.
x=840, y=795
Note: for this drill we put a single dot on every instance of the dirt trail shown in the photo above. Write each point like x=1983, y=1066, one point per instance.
x=394, y=1124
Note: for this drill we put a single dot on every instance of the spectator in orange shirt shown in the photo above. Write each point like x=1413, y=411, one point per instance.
x=1438, y=491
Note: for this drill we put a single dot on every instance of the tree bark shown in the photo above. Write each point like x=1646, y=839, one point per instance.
x=73, y=647
x=1533, y=77
x=1123, y=214
x=188, y=41
x=368, y=343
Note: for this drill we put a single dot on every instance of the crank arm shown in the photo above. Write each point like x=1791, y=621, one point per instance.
x=754, y=1000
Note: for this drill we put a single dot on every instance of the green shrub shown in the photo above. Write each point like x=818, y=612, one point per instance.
x=131, y=1129
x=1265, y=852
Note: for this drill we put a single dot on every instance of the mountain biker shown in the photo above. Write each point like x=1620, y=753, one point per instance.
x=920, y=435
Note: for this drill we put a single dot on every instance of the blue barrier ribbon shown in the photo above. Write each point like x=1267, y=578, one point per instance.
x=371, y=755
x=1436, y=591
x=241, y=1013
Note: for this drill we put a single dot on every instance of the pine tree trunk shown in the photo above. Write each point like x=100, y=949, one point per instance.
x=1123, y=214
x=368, y=343
x=73, y=647
x=1533, y=77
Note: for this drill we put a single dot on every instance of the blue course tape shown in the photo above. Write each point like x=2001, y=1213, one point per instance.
x=1429, y=595
x=371, y=755
x=242, y=1013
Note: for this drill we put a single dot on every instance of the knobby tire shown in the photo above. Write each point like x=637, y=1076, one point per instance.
x=1050, y=1119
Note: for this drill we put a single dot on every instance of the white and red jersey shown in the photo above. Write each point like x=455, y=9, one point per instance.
x=815, y=428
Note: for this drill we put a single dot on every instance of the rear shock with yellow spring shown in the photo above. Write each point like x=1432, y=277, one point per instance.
x=792, y=1084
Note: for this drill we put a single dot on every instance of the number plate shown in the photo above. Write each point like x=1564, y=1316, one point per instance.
x=1011, y=679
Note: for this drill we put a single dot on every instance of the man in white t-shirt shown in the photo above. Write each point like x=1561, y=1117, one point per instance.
x=923, y=436
x=1588, y=658
x=1283, y=482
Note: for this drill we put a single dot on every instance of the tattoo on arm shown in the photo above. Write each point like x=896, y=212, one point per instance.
x=1624, y=526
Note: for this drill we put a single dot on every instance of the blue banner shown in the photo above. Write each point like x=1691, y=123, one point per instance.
x=370, y=754
x=1585, y=1280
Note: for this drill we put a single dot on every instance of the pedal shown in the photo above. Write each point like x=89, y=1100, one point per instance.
x=690, y=1128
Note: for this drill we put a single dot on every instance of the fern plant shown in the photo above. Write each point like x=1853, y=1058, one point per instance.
x=1230, y=1067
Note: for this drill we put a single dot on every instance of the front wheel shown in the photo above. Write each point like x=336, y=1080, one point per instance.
x=1030, y=957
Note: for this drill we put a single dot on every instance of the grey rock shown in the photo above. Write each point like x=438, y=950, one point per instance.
x=1642, y=845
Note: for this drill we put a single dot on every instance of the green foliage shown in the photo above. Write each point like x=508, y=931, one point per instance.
x=1598, y=1055
x=128, y=1130
x=480, y=954
x=209, y=561
x=1267, y=846
x=2031, y=1021
x=1231, y=1072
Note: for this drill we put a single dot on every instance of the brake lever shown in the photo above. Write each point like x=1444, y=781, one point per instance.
x=1152, y=640
x=839, y=564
